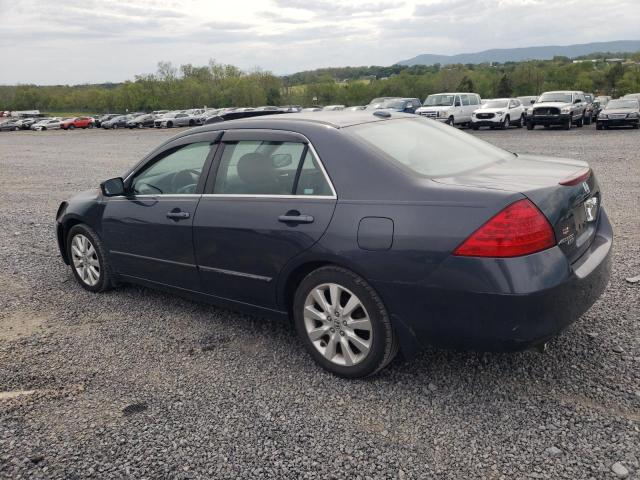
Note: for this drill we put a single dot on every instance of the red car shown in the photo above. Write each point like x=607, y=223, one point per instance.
x=77, y=122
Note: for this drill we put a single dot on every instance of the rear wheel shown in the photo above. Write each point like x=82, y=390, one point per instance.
x=521, y=123
x=588, y=119
x=343, y=324
x=87, y=258
x=474, y=127
x=169, y=124
x=71, y=127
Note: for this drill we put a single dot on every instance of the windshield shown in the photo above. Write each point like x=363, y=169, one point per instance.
x=439, y=100
x=496, y=104
x=622, y=104
x=555, y=97
x=426, y=147
x=394, y=104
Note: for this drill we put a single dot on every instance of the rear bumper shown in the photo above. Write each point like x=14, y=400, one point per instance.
x=500, y=304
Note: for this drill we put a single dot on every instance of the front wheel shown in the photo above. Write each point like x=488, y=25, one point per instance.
x=450, y=121
x=474, y=127
x=598, y=126
x=343, y=324
x=580, y=122
x=567, y=125
x=86, y=255
x=531, y=125
x=505, y=123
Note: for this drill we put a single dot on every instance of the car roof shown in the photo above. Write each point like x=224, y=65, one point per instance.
x=339, y=119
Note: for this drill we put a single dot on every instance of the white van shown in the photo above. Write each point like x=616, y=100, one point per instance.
x=451, y=108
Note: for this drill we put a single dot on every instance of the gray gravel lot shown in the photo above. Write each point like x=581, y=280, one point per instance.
x=227, y=395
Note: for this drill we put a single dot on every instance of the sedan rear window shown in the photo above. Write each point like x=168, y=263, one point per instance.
x=427, y=147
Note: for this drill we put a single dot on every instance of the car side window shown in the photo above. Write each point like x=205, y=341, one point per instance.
x=177, y=172
x=465, y=99
x=251, y=167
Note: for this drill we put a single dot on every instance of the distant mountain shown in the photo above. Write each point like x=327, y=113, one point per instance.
x=502, y=55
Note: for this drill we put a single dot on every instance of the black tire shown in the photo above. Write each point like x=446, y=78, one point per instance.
x=71, y=127
x=521, y=123
x=587, y=120
x=580, y=122
x=599, y=126
x=567, y=125
x=531, y=125
x=474, y=127
x=115, y=126
x=169, y=124
x=636, y=126
x=450, y=121
x=505, y=123
x=90, y=125
x=384, y=341
x=191, y=123
x=105, y=279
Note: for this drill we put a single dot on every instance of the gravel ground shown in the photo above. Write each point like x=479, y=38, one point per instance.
x=139, y=384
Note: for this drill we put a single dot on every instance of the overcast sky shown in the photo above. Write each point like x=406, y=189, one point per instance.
x=79, y=41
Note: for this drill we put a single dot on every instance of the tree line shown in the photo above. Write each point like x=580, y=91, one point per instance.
x=220, y=85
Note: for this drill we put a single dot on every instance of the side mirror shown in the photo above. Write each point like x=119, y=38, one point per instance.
x=112, y=187
x=281, y=160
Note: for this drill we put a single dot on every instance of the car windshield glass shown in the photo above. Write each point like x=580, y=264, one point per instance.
x=622, y=104
x=555, y=97
x=439, y=100
x=393, y=104
x=496, y=104
x=426, y=147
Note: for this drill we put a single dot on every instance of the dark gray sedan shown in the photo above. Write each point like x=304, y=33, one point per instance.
x=619, y=113
x=373, y=231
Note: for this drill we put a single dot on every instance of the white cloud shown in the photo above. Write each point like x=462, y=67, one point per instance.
x=77, y=41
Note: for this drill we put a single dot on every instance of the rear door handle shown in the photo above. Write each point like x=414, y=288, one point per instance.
x=295, y=219
x=177, y=215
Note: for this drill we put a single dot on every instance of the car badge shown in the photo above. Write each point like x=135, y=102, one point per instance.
x=566, y=230
x=586, y=188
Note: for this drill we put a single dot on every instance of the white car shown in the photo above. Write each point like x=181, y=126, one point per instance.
x=48, y=124
x=500, y=113
x=450, y=108
x=333, y=108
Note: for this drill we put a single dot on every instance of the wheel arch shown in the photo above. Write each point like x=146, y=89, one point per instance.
x=62, y=230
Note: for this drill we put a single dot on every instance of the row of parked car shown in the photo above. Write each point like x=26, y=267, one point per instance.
x=558, y=108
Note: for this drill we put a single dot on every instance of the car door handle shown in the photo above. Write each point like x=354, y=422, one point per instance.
x=295, y=218
x=177, y=215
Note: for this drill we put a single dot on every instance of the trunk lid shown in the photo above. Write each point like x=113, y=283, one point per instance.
x=572, y=209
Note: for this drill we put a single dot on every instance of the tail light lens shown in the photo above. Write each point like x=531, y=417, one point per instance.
x=519, y=229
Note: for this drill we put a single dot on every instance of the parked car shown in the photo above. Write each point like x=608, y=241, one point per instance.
x=291, y=108
x=333, y=108
x=77, y=122
x=603, y=100
x=376, y=102
x=624, y=112
x=224, y=116
x=105, y=118
x=589, y=111
x=450, y=108
x=47, y=124
x=145, y=120
x=397, y=104
x=355, y=108
x=439, y=238
x=312, y=109
x=170, y=120
x=119, y=121
x=9, y=125
x=564, y=108
x=527, y=100
x=632, y=96
x=25, y=123
x=500, y=113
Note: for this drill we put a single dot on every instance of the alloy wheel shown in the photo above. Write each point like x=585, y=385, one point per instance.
x=338, y=324
x=85, y=260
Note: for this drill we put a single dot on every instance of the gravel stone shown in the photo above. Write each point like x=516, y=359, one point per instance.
x=230, y=395
x=620, y=470
x=553, y=451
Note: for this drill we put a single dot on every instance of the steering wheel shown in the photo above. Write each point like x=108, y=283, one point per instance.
x=188, y=179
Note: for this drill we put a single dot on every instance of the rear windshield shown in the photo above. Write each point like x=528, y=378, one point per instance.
x=427, y=147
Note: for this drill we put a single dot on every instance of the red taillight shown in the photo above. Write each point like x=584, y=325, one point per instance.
x=519, y=229
x=582, y=176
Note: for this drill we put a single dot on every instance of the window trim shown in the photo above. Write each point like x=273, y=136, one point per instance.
x=208, y=189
